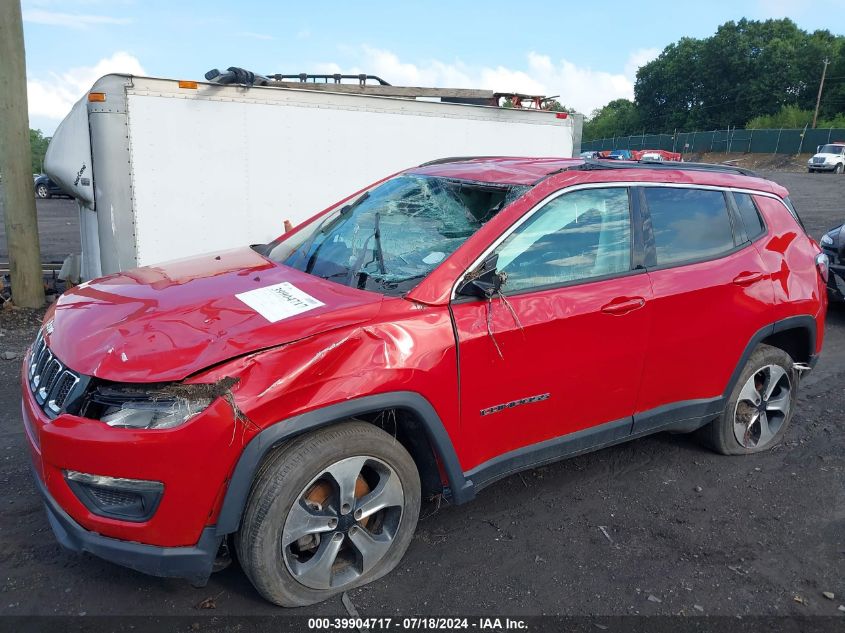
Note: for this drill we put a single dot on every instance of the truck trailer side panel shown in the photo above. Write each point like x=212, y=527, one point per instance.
x=214, y=167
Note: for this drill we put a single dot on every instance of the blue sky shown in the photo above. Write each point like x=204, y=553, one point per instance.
x=586, y=52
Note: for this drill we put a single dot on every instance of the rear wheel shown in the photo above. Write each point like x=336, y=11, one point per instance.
x=333, y=510
x=42, y=192
x=760, y=407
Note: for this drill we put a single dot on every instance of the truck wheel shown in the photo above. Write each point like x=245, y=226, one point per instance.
x=42, y=192
x=838, y=169
x=332, y=510
x=760, y=407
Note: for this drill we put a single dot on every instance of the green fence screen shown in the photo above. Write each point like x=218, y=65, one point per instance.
x=775, y=141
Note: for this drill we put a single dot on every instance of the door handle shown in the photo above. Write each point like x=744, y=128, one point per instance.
x=746, y=278
x=623, y=305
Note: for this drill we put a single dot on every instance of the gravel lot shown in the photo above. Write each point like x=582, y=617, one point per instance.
x=655, y=526
x=58, y=229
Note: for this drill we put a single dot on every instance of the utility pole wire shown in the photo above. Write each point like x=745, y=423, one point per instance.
x=16, y=163
x=826, y=61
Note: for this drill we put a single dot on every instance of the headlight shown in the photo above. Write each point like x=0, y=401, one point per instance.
x=154, y=414
x=827, y=240
x=153, y=406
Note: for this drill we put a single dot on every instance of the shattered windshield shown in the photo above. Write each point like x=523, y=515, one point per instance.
x=393, y=236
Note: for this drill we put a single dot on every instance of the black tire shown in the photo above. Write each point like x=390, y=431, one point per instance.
x=286, y=476
x=43, y=192
x=720, y=433
x=838, y=169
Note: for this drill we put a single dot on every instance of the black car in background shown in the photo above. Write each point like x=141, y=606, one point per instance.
x=46, y=188
x=833, y=244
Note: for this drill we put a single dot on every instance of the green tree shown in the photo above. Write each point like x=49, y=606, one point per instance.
x=618, y=118
x=746, y=69
x=38, y=142
x=788, y=116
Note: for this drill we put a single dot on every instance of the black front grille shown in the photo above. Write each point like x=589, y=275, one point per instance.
x=52, y=383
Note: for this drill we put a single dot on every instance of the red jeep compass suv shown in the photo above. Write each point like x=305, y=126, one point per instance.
x=447, y=327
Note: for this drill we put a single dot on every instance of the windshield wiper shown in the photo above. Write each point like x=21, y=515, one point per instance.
x=379, y=250
x=357, y=268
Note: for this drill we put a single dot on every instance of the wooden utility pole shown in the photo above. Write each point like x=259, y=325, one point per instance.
x=16, y=163
x=821, y=87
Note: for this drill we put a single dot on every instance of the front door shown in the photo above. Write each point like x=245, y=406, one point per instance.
x=561, y=349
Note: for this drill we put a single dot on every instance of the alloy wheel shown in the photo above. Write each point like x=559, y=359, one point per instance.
x=762, y=407
x=343, y=523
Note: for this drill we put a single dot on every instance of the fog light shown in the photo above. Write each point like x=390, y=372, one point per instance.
x=115, y=497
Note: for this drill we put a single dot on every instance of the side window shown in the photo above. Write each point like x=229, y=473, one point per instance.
x=576, y=236
x=754, y=226
x=688, y=224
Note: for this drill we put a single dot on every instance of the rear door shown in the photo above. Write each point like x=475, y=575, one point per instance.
x=562, y=349
x=711, y=295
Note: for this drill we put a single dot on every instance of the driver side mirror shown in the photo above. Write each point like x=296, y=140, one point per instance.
x=483, y=282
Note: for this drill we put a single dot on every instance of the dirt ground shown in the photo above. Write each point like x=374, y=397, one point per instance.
x=656, y=526
x=759, y=162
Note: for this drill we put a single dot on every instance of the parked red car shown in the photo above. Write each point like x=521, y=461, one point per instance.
x=449, y=326
x=656, y=154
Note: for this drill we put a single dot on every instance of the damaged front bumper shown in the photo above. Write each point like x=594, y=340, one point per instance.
x=189, y=466
x=193, y=563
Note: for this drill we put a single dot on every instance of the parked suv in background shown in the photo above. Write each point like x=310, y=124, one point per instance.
x=46, y=188
x=830, y=157
x=449, y=326
x=833, y=245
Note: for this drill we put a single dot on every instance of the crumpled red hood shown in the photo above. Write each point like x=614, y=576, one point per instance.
x=164, y=323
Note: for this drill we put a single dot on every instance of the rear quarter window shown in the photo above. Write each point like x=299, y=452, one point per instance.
x=750, y=216
x=794, y=212
x=688, y=224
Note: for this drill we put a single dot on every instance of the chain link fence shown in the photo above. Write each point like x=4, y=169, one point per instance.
x=771, y=141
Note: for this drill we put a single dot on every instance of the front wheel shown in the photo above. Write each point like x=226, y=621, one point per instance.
x=333, y=510
x=760, y=407
x=838, y=169
x=42, y=192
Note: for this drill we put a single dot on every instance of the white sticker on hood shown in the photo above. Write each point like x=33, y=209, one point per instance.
x=279, y=301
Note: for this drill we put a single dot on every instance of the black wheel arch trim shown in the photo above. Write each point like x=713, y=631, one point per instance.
x=799, y=322
x=459, y=490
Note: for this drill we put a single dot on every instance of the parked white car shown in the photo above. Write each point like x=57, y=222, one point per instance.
x=830, y=157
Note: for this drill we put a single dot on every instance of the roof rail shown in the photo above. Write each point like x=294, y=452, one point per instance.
x=453, y=159
x=591, y=164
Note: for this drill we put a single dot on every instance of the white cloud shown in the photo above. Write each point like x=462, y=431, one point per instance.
x=254, y=36
x=53, y=97
x=71, y=20
x=579, y=87
x=640, y=58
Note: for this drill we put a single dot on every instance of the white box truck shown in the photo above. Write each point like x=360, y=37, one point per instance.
x=163, y=169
